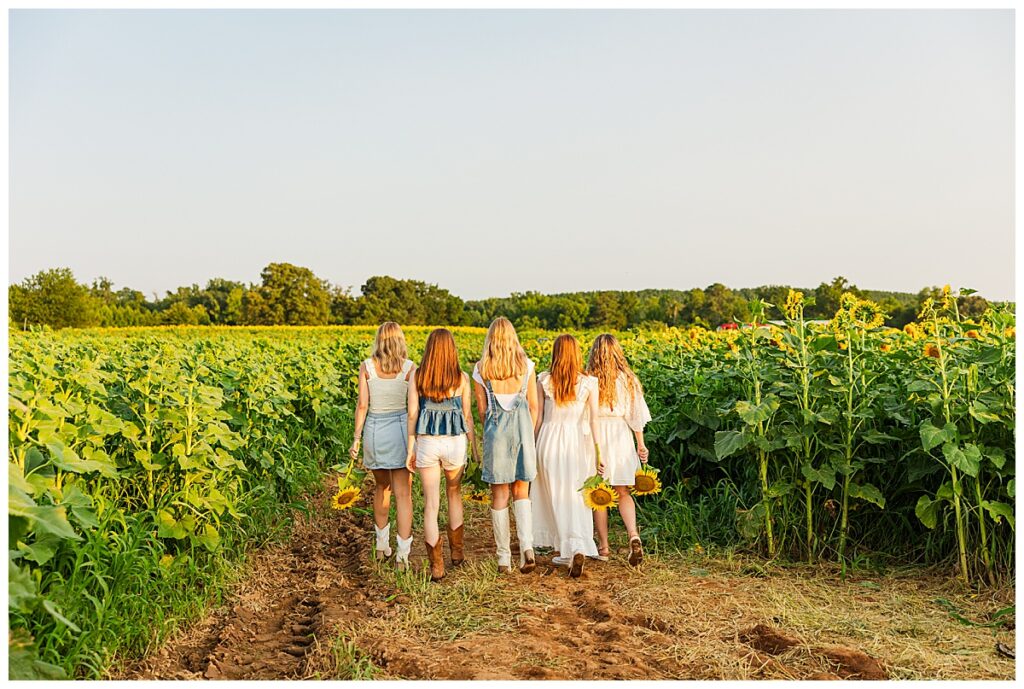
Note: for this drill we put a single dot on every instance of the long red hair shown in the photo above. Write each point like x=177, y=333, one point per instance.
x=566, y=367
x=439, y=373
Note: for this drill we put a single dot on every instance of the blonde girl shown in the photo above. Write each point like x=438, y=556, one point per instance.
x=440, y=421
x=381, y=421
x=566, y=457
x=622, y=415
x=506, y=395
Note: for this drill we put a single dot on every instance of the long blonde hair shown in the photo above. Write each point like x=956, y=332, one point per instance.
x=565, y=368
x=389, y=350
x=607, y=362
x=503, y=357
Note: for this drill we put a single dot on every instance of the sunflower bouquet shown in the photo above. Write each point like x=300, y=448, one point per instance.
x=646, y=481
x=348, y=487
x=597, y=494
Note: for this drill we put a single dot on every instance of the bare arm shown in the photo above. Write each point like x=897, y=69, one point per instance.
x=413, y=408
x=593, y=412
x=467, y=411
x=539, y=419
x=533, y=400
x=641, y=449
x=481, y=399
x=362, y=405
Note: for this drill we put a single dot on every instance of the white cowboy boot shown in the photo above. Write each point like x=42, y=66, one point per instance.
x=502, y=539
x=524, y=532
x=402, y=559
x=382, y=549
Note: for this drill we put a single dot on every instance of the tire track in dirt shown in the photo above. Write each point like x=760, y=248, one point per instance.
x=275, y=624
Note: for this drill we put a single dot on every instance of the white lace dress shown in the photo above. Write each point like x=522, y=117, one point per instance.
x=615, y=428
x=565, y=459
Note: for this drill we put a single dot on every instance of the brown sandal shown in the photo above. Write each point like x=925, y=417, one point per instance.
x=576, y=569
x=636, y=551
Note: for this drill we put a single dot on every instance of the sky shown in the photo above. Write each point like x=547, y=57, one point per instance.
x=500, y=151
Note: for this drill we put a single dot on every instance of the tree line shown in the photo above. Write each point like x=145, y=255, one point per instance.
x=293, y=295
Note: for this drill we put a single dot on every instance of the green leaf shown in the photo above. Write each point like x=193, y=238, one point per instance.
x=999, y=511
x=67, y=459
x=932, y=437
x=920, y=385
x=753, y=414
x=168, y=526
x=778, y=489
x=42, y=550
x=867, y=492
x=55, y=613
x=1011, y=488
x=730, y=442
x=210, y=537
x=927, y=510
x=996, y=456
x=876, y=437
x=967, y=460
x=982, y=413
x=21, y=587
x=825, y=475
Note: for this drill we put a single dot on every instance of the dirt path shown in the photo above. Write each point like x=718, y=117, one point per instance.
x=320, y=607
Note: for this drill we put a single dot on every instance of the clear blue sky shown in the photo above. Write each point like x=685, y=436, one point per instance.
x=500, y=151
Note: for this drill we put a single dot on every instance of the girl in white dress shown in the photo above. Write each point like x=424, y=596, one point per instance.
x=566, y=457
x=622, y=415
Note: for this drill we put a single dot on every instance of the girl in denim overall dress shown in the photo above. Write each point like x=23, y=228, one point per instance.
x=506, y=395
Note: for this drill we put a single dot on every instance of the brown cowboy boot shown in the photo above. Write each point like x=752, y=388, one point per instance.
x=455, y=545
x=435, y=554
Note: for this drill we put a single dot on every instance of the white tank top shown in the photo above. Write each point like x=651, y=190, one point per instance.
x=388, y=394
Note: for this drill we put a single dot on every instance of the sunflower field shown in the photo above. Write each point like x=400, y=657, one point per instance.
x=144, y=463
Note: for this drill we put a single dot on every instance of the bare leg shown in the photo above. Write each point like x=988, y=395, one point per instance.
x=499, y=496
x=401, y=483
x=521, y=490
x=454, y=490
x=381, y=497
x=601, y=525
x=431, y=479
x=627, y=509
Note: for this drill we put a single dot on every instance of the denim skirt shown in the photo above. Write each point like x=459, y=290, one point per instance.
x=385, y=439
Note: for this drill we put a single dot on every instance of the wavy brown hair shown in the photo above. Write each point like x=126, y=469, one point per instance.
x=607, y=362
x=389, y=351
x=503, y=357
x=566, y=367
x=439, y=373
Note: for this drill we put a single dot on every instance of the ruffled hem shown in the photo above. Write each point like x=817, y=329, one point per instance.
x=441, y=422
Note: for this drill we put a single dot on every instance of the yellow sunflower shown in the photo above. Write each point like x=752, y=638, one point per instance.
x=345, y=498
x=598, y=495
x=932, y=351
x=973, y=334
x=647, y=481
x=480, y=496
x=1010, y=332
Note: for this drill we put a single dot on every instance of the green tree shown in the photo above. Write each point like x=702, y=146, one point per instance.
x=288, y=295
x=54, y=298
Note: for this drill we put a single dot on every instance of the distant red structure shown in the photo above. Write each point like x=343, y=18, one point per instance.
x=728, y=326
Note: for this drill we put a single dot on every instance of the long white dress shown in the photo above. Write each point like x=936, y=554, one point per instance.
x=615, y=428
x=565, y=460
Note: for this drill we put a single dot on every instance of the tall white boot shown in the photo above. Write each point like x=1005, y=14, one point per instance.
x=524, y=532
x=383, y=546
x=402, y=559
x=502, y=539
